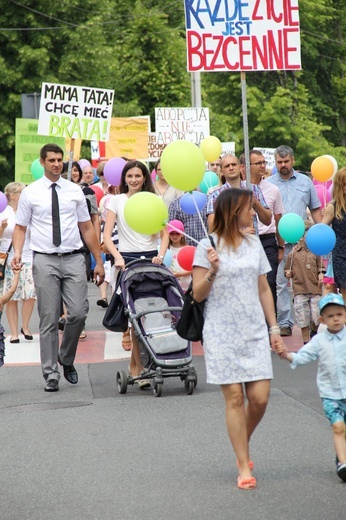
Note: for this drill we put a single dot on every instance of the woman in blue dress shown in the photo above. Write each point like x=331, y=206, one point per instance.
x=335, y=214
x=239, y=308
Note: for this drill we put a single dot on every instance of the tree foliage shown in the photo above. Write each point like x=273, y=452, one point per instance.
x=137, y=48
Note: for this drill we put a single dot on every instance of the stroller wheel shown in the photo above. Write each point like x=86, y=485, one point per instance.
x=196, y=378
x=122, y=381
x=189, y=386
x=158, y=389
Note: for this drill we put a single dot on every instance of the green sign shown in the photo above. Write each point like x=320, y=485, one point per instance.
x=28, y=146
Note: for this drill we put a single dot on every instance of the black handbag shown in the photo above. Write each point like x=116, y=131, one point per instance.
x=3, y=262
x=115, y=318
x=191, y=321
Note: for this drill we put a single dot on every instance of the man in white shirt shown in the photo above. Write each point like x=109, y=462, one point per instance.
x=58, y=264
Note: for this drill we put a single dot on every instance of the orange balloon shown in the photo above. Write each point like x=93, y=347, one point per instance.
x=322, y=168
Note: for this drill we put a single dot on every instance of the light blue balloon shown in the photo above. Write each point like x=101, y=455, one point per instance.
x=168, y=259
x=291, y=227
x=320, y=239
x=209, y=180
x=189, y=201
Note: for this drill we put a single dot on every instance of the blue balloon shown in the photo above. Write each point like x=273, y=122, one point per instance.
x=168, y=259
x=96, y=179
x=189, y=201
x=320, y=239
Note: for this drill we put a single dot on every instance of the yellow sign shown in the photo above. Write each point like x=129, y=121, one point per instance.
x=128, y=137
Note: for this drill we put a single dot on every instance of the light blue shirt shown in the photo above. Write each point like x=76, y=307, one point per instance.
x=297, y=193
x=330, y=351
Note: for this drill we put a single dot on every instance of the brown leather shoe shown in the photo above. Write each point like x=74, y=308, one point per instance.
x=285, y=331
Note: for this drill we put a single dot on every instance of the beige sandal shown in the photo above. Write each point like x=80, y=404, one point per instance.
x=83, y=335
x=126, y=341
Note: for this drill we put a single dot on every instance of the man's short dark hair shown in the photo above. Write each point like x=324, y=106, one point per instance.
x=50, y=147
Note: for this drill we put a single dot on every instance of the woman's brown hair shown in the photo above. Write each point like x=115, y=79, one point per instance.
x=148, y=183
x=227, y=207
x=338, y=193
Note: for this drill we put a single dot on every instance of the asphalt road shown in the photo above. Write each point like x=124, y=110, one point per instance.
x=89, y=453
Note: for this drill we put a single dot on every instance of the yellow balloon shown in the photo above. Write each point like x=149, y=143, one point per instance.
x=322, y=168
x=183, y=165
x=211, y=148
x=146, y=213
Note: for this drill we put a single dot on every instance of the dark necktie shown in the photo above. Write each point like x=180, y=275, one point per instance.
x=55, y=217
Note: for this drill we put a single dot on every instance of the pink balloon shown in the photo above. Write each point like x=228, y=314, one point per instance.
x=323, y=195
x=113, y=170
x=330, y=191
x=3, y=202
x=326, y=184
x=153, y=175
x=83, y=163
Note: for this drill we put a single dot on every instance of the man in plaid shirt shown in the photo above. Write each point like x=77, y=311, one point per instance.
x=230, y=174
x=192, y=223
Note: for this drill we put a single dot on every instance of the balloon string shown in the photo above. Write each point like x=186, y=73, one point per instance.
x=200, y=218
x=186, y=235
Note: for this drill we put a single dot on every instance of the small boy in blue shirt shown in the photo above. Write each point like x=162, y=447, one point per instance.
x=329, y=348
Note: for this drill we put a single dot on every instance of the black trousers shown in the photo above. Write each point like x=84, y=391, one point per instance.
x=271, y=250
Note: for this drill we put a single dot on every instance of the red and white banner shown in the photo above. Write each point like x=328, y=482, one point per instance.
x=240, y=35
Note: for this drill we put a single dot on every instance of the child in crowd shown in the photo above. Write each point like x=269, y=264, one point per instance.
x=176, y=242
x=329, y=348
x=328, y=279
x=3, y=300
x=305, y=270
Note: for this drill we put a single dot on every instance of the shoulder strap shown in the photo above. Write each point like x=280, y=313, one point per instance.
x=212, y=241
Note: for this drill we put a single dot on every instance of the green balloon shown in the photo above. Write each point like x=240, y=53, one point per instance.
x=146, y=213
x=291, y=227
x=36, y=169
x=210, y=180
x=183, y=165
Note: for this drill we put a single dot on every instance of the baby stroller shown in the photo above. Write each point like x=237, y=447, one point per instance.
x=153, y=301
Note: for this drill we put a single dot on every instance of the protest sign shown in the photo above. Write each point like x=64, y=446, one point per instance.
x=154, y=149
x=268, y=154
x=28, y=145
x=238, y=35
x=75, y=112
x=187, y=124
x=128, y=138
x=228, y=148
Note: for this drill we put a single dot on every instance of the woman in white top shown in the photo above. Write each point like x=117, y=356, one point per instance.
x=135, y=178
x=25, y=291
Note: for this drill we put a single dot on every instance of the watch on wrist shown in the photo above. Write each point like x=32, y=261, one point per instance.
x=281, y=247
x=160, y=256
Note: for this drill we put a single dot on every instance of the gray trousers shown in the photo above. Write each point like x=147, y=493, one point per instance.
x=59, y=277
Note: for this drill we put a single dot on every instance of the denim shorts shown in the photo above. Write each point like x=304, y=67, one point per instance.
x=335, y=410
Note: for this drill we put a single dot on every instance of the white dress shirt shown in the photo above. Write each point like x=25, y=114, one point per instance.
x=35, y=208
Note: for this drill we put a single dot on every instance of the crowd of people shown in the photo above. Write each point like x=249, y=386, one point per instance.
x=53, y=226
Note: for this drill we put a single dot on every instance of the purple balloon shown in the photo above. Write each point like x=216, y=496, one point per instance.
x=3, y=202
x=113, y=170
x=83, y=163
x=189, y=201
